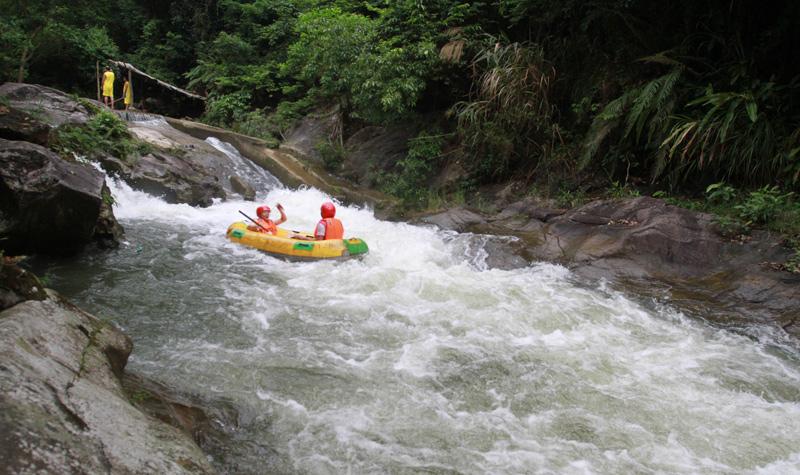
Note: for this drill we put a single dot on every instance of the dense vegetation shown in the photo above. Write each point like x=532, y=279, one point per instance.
x=566, y=95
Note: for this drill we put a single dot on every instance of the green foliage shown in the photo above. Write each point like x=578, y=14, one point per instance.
x=103, y=133
x=637, y=118
x=341, y=56
x=735, y=135
x=621, y=190
x=730, y=226
x=410, y=181
x=570, y=198
x=332, y=154
x=108, y=198
x=720, y=193
x=225, y=109
x=763, y=205
x=509, y=117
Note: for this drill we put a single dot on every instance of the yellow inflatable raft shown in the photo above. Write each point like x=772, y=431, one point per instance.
x=284, y=246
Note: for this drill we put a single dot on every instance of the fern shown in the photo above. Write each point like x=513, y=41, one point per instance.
x=644, y=108
x=733, y=138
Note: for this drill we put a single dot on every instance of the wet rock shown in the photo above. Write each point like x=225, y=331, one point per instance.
x=49, y=205
x=291, y=170
x=455, y=219
x=63, y=408
x=319, y=127
x=243, y=188
x=655, y=249
x=48, y=105
x=173, y=178
x=372, y=149
x=17, y=285
x=16, y=124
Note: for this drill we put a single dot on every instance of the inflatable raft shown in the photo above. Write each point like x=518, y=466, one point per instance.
x=284, y=246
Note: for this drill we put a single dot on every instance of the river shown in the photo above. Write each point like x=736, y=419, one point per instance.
x=420, y=359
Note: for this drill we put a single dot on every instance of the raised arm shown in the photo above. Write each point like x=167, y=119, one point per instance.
x=283, y=215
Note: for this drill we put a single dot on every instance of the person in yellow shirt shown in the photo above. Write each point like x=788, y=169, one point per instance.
x=108, y=87
x=127, y=94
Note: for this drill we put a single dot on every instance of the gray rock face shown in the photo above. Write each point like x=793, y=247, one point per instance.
x=656, y=249
x=174, y=179
x=455, y=219
x=49, y=205
x=316, y=128
x=180, y=168
x=17, y=285
x=374, y=148
x=52, y=106
x=243, y=188
x=62, y=407
x=16, y=124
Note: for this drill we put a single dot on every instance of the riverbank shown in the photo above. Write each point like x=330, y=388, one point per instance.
x=641, y=245
x=64, y=406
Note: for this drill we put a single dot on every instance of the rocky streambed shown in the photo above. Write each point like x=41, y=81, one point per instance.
x=67, y=401
x=653, y=249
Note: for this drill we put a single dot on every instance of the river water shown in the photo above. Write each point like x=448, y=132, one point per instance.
x=419, y=359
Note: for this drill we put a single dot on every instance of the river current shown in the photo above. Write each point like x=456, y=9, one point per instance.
x=420, y=359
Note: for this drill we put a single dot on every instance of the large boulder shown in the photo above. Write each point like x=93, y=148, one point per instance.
x=49, y=205
x=63, y=408
x=16, y=124
x=374, y=149
x=17, y=285
x=174, y=165
x=318, y=127
x=655, y=249
x=50, y=106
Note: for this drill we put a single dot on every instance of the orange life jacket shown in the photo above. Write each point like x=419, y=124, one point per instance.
x=333, y=228
x=267, y=226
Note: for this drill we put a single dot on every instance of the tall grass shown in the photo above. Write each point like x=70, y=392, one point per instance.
x=508, y=119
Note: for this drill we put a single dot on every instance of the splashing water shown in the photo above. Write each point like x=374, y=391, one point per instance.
x=257, y=176
x=419, y=359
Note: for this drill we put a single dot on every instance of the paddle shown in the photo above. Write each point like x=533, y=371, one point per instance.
x=254, y=221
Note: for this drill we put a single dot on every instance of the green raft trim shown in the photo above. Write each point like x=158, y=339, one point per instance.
x=355, y=246
x=237, y=233
x=303, y=246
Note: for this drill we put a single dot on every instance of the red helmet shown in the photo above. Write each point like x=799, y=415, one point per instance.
x=262, y=209
x=328, y=210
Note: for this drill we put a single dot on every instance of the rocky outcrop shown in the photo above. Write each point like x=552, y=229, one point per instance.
x=243, y=188
x=16, y=124
x=655, y=248
x=49, y=106
x=285, y=165
x=49, y=205
x=17, y=285
x=316, y=128
x=372, y=149
x=173, y=165
x=62, y=405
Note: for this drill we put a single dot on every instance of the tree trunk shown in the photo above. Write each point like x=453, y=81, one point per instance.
x=27, y=54
x=22, y=61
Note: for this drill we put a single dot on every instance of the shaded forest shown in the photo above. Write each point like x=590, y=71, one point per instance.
x=670, y=95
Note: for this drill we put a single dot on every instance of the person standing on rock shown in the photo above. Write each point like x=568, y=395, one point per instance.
x=266, y=225
x=127, y=94
x=108, y=87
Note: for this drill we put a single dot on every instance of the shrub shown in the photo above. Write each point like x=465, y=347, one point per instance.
x=720, y=193
x=104, y=132
x=332, y=155
x=763, y=205
x=409, y=182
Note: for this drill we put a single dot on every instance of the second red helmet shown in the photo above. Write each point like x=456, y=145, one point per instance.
x=327, y=210
x=261, y=209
